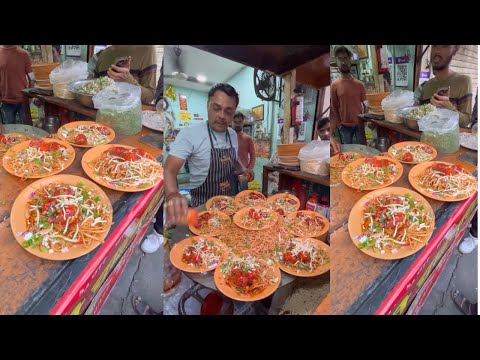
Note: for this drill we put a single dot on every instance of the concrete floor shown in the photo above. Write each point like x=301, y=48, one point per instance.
x=461, y=272
x=142, y=276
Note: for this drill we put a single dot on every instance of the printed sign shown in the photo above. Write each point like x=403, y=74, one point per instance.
x=197, y=117
x=183, y=102
x=401, y=71
x=184, y=116
x=424, y=76
x=73, y=50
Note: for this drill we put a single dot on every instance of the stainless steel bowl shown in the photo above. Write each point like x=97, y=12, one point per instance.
x=409, y=122
x=82, y=98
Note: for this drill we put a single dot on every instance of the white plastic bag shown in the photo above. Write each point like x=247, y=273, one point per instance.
x=69, y=70
x=119, y=107
x=441, y=130
x=315, y=157
x=398, y=99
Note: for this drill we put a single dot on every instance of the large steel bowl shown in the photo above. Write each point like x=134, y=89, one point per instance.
x=409, y=122
x=82, y=98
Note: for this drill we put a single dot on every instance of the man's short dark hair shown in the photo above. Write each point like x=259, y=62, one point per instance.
x=227, y=89
x=322, y=122
x=342, y=49
x=238, y=114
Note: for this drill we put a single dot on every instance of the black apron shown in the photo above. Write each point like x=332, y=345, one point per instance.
x=220, y=174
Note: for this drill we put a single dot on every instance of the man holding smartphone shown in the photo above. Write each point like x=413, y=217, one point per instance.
x=135, y=64
x=448, y=89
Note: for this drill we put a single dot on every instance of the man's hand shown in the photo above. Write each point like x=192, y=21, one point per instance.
x=441, y=101
x=118, y=73
x=249, y=174
x=334, y=146
x=177, y=209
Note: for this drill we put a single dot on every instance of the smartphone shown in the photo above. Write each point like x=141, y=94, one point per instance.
x=123, y=61
x=444, y=91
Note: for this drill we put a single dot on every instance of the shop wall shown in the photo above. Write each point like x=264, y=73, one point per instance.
x=196, y=104
x=243, y=83
x=465, y=62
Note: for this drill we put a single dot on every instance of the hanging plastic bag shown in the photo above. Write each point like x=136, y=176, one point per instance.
x=398, y=99
x=441, y=130
x=315, y=157
x=119, y=107
x=70, y=70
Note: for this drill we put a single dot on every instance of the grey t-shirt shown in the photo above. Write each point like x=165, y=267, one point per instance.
x=193, y=144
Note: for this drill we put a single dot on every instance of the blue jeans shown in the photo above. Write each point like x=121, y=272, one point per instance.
x=10, y=111
x=347, y=133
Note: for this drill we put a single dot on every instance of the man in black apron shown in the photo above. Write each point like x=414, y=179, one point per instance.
x=213, y=140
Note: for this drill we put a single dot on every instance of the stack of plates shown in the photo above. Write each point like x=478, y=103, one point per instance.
x=376, y=110
x=289, y=160
x=288, y=154
x=43, y=84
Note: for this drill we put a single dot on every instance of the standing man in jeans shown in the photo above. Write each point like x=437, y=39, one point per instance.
x=246, y=149
x=348, y=99
x=15, y=75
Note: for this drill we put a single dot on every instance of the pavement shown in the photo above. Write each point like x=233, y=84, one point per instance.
x=142, y=276
x=461, y=273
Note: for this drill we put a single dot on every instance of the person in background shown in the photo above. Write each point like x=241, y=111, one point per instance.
x=417, y=93
x=348, y=99
x=140, y=70
x=323, y=129
x=16, y=74
x=246, y=150
x=386, y=81
x=57, y=53
x=459, y=97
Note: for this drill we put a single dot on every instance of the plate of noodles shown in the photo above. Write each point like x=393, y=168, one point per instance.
x=61, y=217
x=443, y=181
x=122, y=168
x=391, y=223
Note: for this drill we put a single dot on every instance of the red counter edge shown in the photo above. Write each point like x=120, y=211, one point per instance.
x=396, y=292
x=68, y=297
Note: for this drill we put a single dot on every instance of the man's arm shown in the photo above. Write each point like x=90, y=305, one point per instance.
x=464, y=103
x=251, y=153
x=334, y=110
x=176, y=204
x=29, y=71
x=147, y=76
x=172, y=167
x=364, y=99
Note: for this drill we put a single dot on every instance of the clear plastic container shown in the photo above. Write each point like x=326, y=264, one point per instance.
x=440, y=129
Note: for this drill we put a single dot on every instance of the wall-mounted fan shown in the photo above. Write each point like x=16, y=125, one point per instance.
x=268, y=86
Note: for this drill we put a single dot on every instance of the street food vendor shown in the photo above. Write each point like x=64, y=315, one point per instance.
x=448, y=89
x=211, y=150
